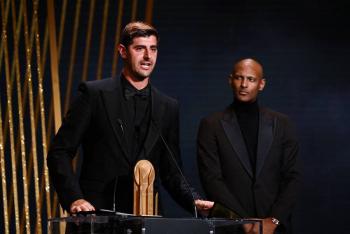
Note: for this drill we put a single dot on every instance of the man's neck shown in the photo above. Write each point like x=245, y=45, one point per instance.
x=245, y=107
x=138, y=84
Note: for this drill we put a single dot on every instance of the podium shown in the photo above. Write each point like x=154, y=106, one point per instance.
x=122, y=224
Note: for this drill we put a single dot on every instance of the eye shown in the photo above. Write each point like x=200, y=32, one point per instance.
x=251, y=79
x=154, y=49
x=138, y=48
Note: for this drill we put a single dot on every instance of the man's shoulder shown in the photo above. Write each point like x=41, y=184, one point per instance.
x=216, y=116
x=273, y=113
x=212, y=121
x=164, y=97
x=104, y=84
x=276, y=116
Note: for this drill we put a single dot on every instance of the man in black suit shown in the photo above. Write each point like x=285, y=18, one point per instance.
x=248, y=155
x=118, y=122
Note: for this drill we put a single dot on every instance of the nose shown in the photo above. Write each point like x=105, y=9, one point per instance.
x=244, y=82
x=146, y=54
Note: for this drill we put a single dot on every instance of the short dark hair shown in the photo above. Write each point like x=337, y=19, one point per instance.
x=137, y=29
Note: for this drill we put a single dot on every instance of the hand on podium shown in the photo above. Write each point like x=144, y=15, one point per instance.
x=80, y=205
x=204, y=206
x=268, y=226
x=253, y=228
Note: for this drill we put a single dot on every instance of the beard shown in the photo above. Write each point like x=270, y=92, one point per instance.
x=139, y=74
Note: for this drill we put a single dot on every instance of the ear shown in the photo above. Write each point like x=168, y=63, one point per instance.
x=122, y=51
x=262, y=84
x=229, y=81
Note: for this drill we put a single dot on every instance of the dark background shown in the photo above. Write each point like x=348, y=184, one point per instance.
x=304, y=47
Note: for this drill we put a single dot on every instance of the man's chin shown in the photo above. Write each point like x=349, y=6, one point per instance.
x=142, y=76
x=244, y=99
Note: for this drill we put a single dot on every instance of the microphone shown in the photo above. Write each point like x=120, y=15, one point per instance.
x=114, y=210
x=177, y=167
x=114, y=207
x=116, y=178
x=114, y=193
x=121, y=125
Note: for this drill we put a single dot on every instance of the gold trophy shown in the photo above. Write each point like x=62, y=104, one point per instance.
x=145, y=203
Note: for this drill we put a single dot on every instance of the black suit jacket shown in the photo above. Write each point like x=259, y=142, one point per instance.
x=226, y=172
x=96, y=121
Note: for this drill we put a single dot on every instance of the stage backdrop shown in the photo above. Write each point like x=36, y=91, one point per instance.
x=49, y=47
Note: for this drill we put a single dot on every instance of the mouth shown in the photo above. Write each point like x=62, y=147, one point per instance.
x=243, y=93
x=146, y=65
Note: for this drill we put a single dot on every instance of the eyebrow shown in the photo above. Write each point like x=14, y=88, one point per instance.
x=142, y=45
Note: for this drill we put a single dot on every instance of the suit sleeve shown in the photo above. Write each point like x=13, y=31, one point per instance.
x=290, y=173
x=209, y=166
x=172, y=180
x=64, y=146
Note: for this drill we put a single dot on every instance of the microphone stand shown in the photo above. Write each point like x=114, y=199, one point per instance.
x=114, y=209
x=178, y=168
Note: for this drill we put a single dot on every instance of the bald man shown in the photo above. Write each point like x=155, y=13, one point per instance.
x=248, y=155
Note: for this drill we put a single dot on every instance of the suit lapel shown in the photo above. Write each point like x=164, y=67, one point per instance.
x=158, y=108
x=113, y=105
x=234, y=134
x=265, y=139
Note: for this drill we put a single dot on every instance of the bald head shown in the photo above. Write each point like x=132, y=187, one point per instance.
x=249, y=64
x=246, y=80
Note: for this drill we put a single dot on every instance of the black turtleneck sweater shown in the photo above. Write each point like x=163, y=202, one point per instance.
x=248, y=120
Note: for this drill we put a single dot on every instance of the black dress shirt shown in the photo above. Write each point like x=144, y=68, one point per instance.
x=138, y=108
